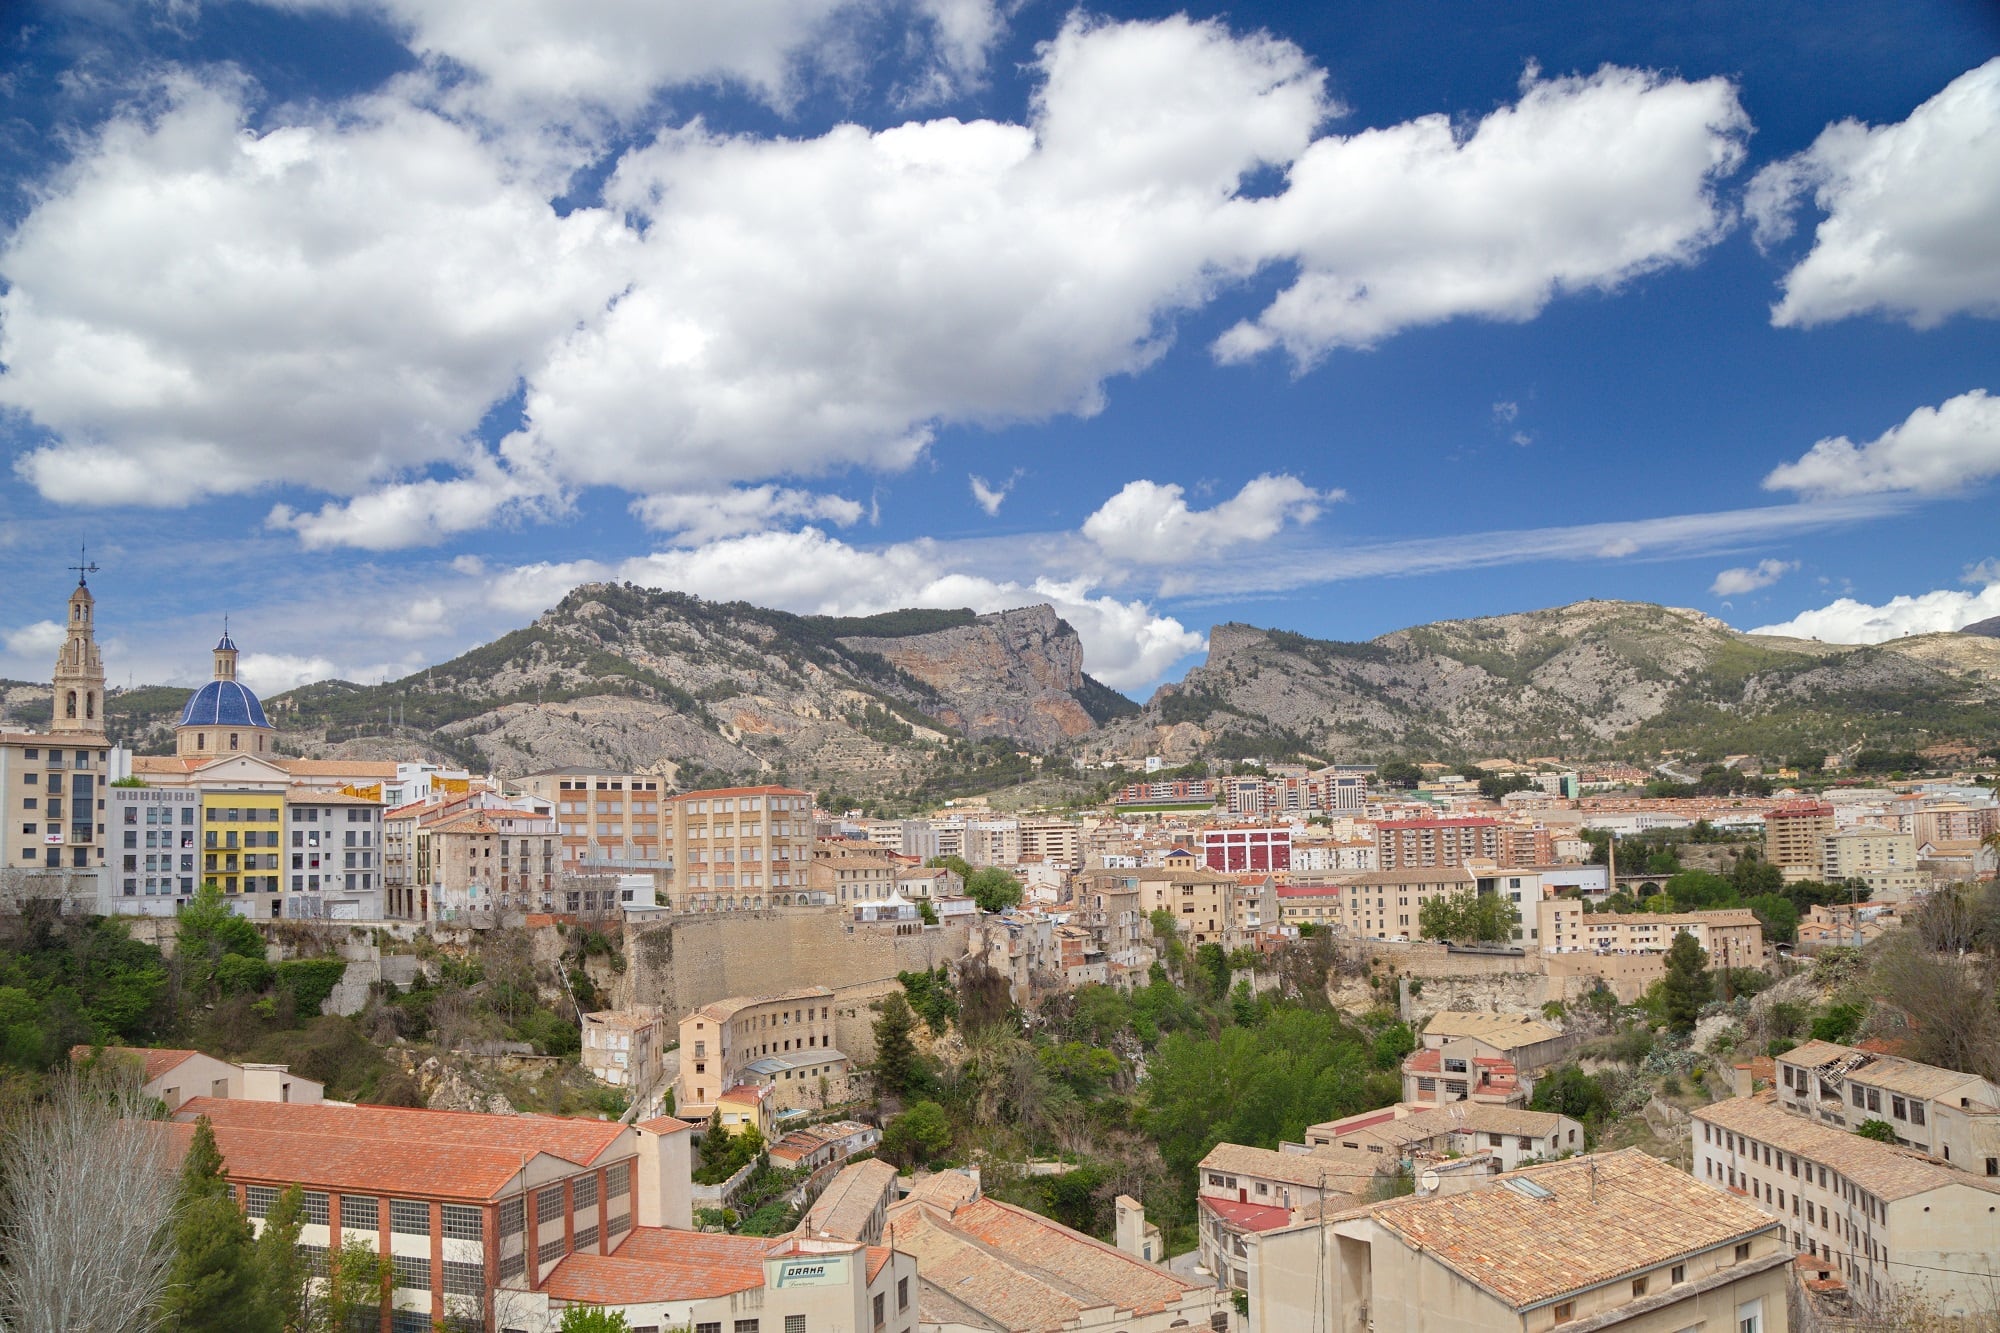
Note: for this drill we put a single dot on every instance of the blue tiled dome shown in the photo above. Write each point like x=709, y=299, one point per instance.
x=223, y=703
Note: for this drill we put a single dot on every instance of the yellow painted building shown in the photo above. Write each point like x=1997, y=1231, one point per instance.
x=242, y=835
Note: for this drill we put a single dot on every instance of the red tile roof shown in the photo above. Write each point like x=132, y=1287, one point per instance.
x=656, y=1264
x=154, y=1062
x=664, y=1124
x=878, y=1255
x=369, y=1166
x=1247, y=1216
x=574, y=1140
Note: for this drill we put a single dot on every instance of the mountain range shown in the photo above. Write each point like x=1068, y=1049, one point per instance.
x=920, y=705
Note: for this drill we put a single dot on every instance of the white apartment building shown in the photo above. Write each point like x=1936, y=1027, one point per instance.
x=1890, y=1219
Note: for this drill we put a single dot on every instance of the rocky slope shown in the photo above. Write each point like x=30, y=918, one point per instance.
x=1591, y=678
x=662, y=682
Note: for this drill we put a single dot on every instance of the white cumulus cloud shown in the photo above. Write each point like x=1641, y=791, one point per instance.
x=1933, y=450
x=1735, y=582
x=557, y=57
x=197, y=309
x=41, y=639
x=335, y=304
x=1584, y=184
x=1912, y=225
x=695, y=517
x=1847, y=620
x=1151, y=523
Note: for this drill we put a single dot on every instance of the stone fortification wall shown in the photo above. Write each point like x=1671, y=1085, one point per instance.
x=688, y=961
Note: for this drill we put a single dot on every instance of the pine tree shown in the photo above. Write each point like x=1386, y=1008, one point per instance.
x=284, y=1273
x=1687, y=986
x=895, y=1052
x=213, y=1286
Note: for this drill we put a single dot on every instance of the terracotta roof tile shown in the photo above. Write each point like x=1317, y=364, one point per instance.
x=1580, y=1222
x=656, y=1264
x=574, y=1140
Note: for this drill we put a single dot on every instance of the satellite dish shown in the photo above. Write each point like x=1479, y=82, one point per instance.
x=1427, y=1183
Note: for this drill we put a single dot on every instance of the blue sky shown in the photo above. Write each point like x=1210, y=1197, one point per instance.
x=377, y=324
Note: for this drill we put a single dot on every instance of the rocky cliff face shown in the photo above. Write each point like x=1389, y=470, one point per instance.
x=1591, y=678
x=1013, y=674
x=660, y=682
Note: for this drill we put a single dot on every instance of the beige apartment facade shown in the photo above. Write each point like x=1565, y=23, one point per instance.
x=1884, y=859
x=1408, y=844
x=850, y=872
x=1732, y=937
x=1948, y=1114
x=1610, y=1241
x=1388, y=904
x=740, y=848
x=489, y=862
x=1795, y=839
x=1200, y=901
x=1056, y=842
x=609, y=823
x=720, y=1044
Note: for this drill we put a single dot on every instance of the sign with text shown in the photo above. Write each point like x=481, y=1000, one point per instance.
x=821, y=1271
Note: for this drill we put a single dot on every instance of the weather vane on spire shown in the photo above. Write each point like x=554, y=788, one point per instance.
x=83, y=567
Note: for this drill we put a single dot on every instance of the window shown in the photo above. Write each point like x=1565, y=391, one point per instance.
x=411, y=1270
x=618, y=1180
x=1750, y=1318
x=463, y=1223
x=715, y=1327
x=585, y=1191
x=795, y=1323
x=464, y=1279
x=1916, y=1113
x=586, y=1237
x=548, y=1206
x=511, y=1216
x=512, y=1266
x=1638, y=1287
x=1743, y=1252
x=750, y=1325
x=315, y=1257
x=316, y=1208
x=550, y=1250
x=258, y=1200
x=902, y=1293
x=362, y=1212
x=1680, y=1274
x=880, y=1298
x=410, y=1217
x=1565, y=1312
x=618, y=1225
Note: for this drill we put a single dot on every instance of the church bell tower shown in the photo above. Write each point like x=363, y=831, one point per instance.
x=79, y=674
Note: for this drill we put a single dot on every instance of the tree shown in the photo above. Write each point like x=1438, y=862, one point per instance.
x=895, y=1052
x=993, y=889
x=206, y=932
x=592, y=1319
x=1399, y=773
x=285, y=1274
x=1687, y=985
x=358, y=1280
x=87, y=1193
x=213, y=1284
x=1779, y=915
x=919, y=1136
x=1879, y=1130
x=1571, y=1092
x=1469, y=917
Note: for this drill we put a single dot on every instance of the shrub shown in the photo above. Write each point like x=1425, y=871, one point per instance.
x=311, y=981
x=1838, y=1022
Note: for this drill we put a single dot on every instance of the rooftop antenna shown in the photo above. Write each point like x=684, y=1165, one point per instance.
x=83, y=567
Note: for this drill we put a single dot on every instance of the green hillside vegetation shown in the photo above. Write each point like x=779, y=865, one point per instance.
x=1064, y=1081
x=67, y=982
